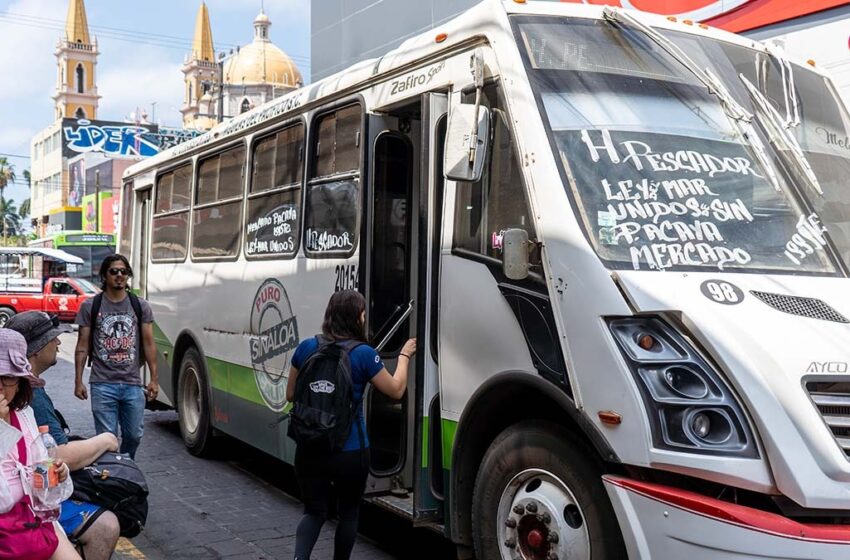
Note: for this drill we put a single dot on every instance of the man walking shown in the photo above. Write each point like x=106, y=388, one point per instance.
x=116, y=330
x=94, y=527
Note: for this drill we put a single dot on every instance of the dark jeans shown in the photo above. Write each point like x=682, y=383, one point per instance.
x=119, y=404
x=340, y=475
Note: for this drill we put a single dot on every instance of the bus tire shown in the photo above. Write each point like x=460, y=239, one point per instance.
x=194, y=399
x=6, y=313
x=538, y=494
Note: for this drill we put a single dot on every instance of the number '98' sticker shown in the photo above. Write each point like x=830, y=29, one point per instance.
x=723, y=292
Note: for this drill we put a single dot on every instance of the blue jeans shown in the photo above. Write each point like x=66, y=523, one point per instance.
x=119, y=404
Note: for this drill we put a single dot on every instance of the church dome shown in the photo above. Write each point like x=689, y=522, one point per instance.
x=261, y=62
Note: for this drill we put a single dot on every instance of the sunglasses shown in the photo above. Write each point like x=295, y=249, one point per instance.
x=9, y=381
x=117, y=271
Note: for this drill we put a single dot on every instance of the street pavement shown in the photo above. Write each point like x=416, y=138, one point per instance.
x=238, y=507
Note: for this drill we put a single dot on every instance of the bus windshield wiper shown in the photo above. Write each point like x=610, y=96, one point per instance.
x=781, y=134
x=789, y=91
x=742, y=118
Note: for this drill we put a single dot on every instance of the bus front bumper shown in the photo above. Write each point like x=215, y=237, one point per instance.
x=662, y=522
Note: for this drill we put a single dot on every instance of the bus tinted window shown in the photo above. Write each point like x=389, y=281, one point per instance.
x=215, y=232
x=171, y=222
x=274, y=202
x=163, y=192
x=278, y=160
x=181, y=188
x=169, y=236
x=220, y=177
x=484, y=210
x=338, y=147
x=333, y=218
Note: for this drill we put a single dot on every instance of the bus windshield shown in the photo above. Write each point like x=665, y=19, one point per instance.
x=662, y=173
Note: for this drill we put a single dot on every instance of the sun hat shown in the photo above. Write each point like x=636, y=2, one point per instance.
x=13, y=354
x=38, y=328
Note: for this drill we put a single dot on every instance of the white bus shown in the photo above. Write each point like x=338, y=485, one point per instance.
x=623, y=243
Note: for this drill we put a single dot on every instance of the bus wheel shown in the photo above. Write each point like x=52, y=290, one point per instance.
x=539, y=496
x=6, y=313
x=193, y=404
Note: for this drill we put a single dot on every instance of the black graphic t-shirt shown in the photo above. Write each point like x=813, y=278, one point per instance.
x=116, y=340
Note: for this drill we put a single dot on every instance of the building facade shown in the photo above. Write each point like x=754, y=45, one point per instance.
x=77, y=161
x=344, y=32
x=218, y=88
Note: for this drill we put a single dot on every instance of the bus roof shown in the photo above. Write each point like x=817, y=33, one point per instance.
x=478, y=21
x=52, y=254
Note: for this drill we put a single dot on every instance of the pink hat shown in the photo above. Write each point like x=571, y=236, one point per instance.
x=13, y=354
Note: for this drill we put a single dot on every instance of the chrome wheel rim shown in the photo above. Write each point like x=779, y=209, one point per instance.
x=190, y=400
x=539, y=518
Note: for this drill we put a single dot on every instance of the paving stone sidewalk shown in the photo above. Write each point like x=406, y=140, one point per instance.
x=200, y=508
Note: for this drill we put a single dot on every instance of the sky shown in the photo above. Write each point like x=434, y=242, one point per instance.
x=142, y=48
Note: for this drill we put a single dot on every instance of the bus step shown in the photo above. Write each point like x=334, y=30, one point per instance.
x=396, y=504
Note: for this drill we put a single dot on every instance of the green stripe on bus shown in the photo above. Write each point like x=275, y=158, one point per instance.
x=449, y=428
x=163, y=345
x=425, y=427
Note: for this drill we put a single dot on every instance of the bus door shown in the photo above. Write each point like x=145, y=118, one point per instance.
x=141, y=243
x=428, y=460
x=139, y=262
x=388, y=276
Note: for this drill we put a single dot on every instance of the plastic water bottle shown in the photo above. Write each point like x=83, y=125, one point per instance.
x=45, y=480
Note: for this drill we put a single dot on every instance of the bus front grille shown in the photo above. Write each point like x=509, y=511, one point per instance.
x=802, y=306
x=832, y=400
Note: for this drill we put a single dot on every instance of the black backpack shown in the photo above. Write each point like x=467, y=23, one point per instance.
x=97, y=301
x=116, y=483
x=323, y=407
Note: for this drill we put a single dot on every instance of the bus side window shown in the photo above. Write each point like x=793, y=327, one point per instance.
x=171, y=220
x=332, y=220
x=217, y=215
x=484, y=210
x=272, y=227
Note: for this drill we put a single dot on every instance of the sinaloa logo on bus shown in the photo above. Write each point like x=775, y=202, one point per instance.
x=274, y=335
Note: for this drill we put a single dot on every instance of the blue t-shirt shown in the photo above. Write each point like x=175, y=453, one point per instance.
x=45, y=414
x=365, y=364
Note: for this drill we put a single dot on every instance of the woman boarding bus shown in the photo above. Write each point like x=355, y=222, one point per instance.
x=621, y=241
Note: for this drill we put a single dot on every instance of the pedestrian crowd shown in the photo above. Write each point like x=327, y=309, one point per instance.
x=115, y=337
x=327, y=379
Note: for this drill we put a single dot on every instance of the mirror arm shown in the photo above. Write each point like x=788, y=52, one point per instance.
x=477, y=67
x=473, y=143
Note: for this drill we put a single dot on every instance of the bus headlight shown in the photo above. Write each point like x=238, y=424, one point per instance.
x=692, y=408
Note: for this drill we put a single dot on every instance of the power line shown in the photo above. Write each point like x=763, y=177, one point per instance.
x=14, y=156
x=119, y=34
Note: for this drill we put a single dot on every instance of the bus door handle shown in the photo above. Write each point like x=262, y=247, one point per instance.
x=395, y=327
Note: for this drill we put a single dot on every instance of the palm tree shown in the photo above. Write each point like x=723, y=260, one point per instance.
x=26, y=205
x=10, y=217
x=25, y=209
x=7, y=175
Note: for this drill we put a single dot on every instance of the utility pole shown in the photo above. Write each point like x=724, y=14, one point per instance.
x=153, y=112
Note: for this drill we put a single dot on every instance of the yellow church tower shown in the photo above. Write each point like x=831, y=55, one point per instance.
x=76, y=57
x=200, y=71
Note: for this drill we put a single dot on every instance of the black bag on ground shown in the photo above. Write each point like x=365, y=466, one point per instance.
x=323, y=407
x=116, y=483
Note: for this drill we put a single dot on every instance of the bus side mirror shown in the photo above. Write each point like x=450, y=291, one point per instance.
x=515, y=254
x=467, y=142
